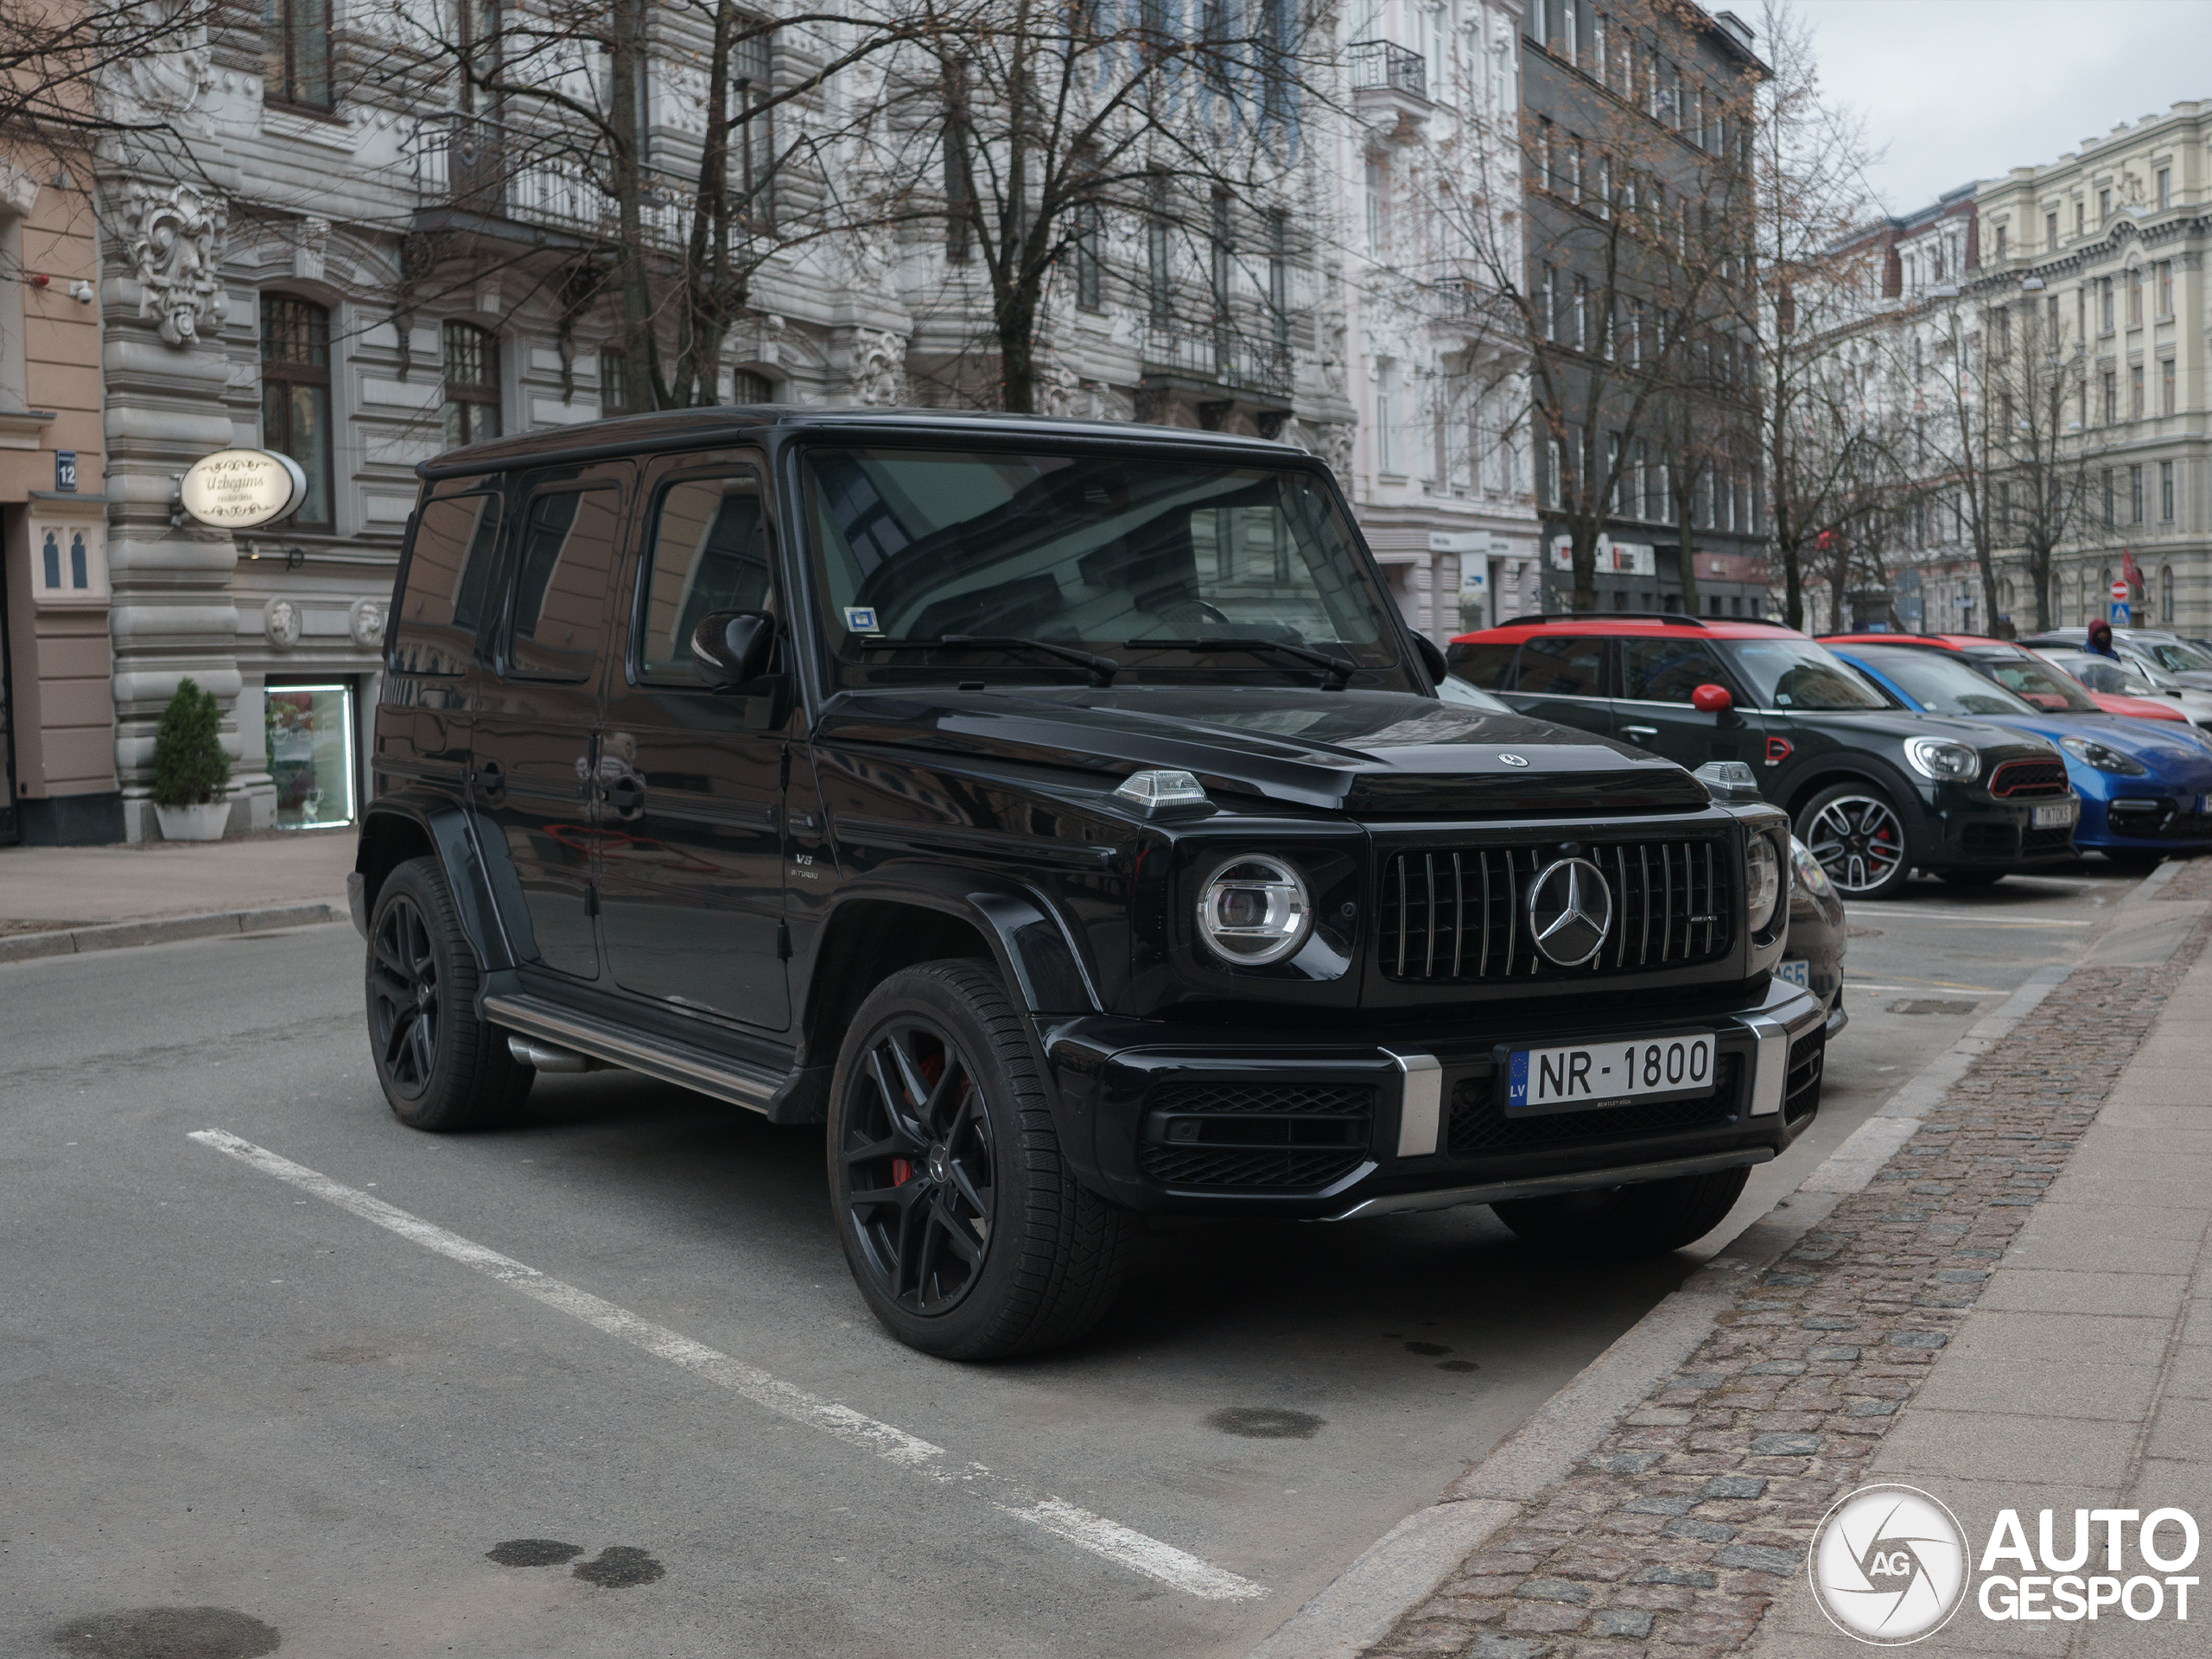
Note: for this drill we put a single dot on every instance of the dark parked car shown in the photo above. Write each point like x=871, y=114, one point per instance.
x=1875, y=791
x=1064, y=815
x=2145, y=785
x=2152, y=649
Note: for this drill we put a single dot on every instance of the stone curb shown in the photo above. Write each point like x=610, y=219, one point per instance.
x=162, y=930
x=1365, y=1602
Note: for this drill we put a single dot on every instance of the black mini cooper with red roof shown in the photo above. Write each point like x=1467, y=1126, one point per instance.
x=1875, y=790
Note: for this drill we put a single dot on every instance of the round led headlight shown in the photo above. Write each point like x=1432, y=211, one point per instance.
x=1254, y=910
x=1943, y=759
x=1761, y=883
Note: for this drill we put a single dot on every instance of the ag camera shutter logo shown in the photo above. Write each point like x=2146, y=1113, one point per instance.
x=1888, y=1564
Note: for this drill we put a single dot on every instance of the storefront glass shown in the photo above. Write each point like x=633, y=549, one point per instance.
x=311, y=754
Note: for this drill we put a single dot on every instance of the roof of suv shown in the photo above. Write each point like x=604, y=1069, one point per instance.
x=686, y=429
x=1626, y=626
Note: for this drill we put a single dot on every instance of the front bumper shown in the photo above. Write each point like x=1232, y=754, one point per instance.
x=2137, y=817
x=1185, y=1120
x=1971, y=830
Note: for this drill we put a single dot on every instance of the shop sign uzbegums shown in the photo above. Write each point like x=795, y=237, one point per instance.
x=241, y=489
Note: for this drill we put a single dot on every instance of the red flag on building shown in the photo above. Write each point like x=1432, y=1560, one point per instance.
x=2130, y=569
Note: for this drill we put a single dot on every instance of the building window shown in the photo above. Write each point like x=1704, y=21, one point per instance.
x=959, y=204
x=2165, y=288
x=296, y=396
x=1387, y=459
x=2135, y=296
x=2050, y=231
x=310, y=734
x=1158, y=270
x=2166, y=385
x=1279, y=278
x=2166, y=593
x=2135, y=391
x=2166, y=492
x=2165, y=188
x=2104, y=304
x=2000, y=242
x=749, y=386
x=2104, y=206
x=2135, y=495
x=472, y=363
x=2112, y=395
x=615, y=388
x=752, y=124
x=295, y=46
x=2104, y=477
x=1089, y=256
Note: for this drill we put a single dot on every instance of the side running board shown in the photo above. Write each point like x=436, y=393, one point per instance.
x=684, y=1063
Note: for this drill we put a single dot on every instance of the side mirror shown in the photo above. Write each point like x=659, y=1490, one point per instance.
x=733, y=647
x=1712, y=700
x=1432, y=657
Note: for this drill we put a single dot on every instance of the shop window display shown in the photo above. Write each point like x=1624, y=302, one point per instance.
x=311, y=754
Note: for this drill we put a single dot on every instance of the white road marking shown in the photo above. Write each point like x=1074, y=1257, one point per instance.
x=1971, y=919
x=1177, y=1568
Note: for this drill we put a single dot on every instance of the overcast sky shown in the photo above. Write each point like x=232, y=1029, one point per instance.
x=1956, y=90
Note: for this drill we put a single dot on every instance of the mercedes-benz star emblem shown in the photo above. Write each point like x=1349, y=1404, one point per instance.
x=1570, y=911
x=1512, y=759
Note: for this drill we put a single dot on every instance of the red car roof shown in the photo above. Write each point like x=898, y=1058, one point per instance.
x=1626, y=627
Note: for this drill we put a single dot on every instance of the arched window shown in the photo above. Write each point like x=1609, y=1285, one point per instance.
x=2165, y=592
x=472, y=366
x=751, y=386
x=295, y=397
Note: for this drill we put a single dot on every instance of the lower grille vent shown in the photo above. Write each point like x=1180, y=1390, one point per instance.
x=1480, y=1127
x=1281, y=1136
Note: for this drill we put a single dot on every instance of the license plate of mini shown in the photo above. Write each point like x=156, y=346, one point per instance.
x=2052, y=814
x=1542, y=1081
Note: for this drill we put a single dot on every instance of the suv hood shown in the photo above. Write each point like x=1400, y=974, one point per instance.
x=1370, y=753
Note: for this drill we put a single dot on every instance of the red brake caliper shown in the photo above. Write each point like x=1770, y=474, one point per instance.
x=932, y=1067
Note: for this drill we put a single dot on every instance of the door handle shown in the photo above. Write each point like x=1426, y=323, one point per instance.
x=626, y=796
x=1641, y=731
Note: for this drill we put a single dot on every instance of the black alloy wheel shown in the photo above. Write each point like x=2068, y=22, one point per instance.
x=967, y=1232
x=920, y=1183
x=1857, y=835
x=439, y=1066
x=403, y=997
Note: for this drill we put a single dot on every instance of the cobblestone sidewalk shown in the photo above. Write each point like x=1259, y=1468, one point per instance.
x=1673, y=1538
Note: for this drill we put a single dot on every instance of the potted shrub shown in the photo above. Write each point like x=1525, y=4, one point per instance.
x=191, y=768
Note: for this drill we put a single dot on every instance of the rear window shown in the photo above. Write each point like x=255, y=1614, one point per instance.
x=2034, y=682
x=1482, y=663
x=448, y=575
x=1572, y=666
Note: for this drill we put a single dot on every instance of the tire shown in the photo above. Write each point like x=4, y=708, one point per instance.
x=967, y=1233
x=1857, y=833
x=1624, y=1223
x=1974, y=878
x=441, y=1067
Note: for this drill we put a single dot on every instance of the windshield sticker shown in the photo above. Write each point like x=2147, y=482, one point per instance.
x=860, y=618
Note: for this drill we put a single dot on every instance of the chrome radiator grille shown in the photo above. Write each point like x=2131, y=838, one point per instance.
x=1460, y=914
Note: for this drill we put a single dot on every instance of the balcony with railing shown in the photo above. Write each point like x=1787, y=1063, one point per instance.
x=503, y=172
x=1198, y=360
x=1385, y=65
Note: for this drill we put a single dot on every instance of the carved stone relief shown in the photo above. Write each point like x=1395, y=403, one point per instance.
x=879, y=368
x=173, y=237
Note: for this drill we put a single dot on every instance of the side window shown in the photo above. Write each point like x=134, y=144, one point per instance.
x=449, y=571
x=1490, y=666
x=1668, y=670
x=708, y=550
x=1562, y=667
x=558, y=612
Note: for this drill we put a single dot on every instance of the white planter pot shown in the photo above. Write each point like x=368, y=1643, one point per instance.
x=194, y=823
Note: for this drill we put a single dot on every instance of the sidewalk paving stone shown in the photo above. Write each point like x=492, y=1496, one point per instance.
x=1817, y=1379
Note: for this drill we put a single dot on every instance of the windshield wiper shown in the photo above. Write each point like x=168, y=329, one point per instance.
x=1340, y=671
x=1103, y=668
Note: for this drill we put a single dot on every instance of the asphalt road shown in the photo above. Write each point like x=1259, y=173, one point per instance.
x=226, y=1390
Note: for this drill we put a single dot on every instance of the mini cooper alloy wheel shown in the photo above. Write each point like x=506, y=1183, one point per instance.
x=919, y=1172
x=1859, y=841
x=404, y=997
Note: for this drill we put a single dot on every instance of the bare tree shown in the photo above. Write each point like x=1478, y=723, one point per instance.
x=2036, y=379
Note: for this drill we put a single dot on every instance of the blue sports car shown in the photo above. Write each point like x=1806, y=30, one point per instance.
x=2145, y=785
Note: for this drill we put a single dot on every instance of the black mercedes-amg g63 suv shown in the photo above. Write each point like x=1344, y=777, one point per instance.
x=1063, y=814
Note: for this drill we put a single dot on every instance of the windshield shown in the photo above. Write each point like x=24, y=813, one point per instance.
x=2036, y=682
x=1099, y=552
x=1796, y=674
x=2177, y=657
x=2102, y=674
x=1940, y=684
